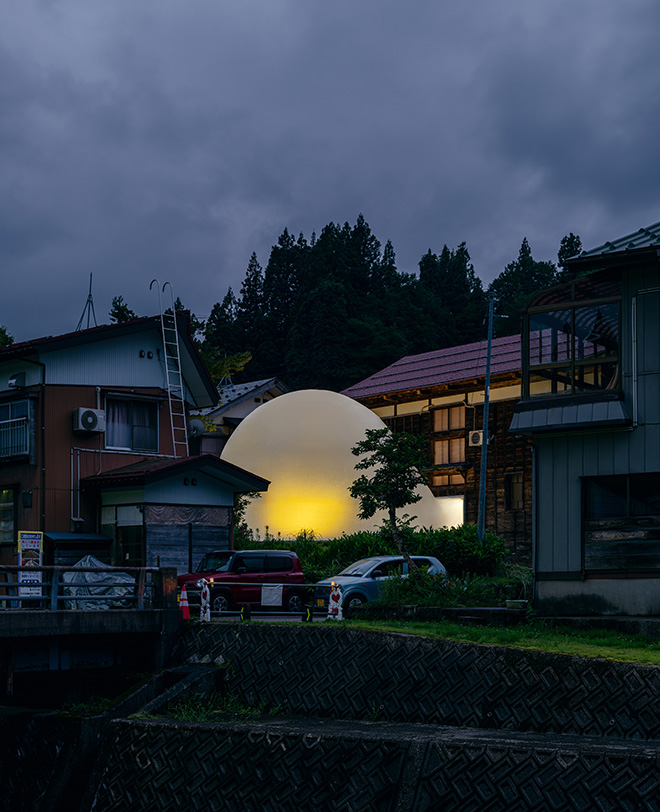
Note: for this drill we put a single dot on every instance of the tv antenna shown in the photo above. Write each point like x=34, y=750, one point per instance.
x=89, y=309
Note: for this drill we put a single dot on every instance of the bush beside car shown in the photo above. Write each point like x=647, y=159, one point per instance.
x=458, y=548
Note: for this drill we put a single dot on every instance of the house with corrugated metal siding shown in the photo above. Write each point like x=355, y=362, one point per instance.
x=440, y=395
x=94, y=447
x=591, y=406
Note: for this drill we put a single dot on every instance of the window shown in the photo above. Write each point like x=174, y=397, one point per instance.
x=389, y=569
x=423, y=563
x=449, y=419
x=131, y=425
x=572, y=346
x=14, y=429
x=621, y=527
x=251, y=563
x=514, y=494
x=622, y=497
x=443, y=480
x=7, y=516
x=279, y=563
x=124, y=523
x=449, y=451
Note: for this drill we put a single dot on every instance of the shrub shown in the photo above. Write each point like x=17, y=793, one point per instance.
x=440, y=590
x=457, y=548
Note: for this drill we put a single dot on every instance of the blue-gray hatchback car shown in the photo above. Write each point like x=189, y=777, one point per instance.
x=363, y=581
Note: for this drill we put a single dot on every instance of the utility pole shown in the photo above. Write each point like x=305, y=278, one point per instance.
x=481, y=526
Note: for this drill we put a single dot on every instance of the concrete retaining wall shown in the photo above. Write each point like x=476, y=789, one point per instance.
x=332, y=671
x=295, y=766
x=374, y=722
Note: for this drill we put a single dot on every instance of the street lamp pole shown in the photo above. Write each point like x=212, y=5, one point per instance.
x=481, y=526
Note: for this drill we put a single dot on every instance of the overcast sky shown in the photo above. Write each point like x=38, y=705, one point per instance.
x=165, y=139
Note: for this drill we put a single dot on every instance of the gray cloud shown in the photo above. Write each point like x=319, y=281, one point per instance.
x=170, y=140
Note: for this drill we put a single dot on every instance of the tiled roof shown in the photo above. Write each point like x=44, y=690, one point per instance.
x=440, y=367
x=644, y=238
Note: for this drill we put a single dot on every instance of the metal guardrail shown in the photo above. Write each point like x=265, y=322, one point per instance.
x=147, y=590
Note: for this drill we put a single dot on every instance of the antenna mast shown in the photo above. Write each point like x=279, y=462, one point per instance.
x=89, y=309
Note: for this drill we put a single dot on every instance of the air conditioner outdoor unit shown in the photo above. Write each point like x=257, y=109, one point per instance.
x=88, y=420
x=475, y=438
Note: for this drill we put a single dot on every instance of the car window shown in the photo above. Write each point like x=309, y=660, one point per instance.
x=251, y=563
x=358, y=567
x=279, y=563
x=423, y=563
x=390, y=568
x=215, y=562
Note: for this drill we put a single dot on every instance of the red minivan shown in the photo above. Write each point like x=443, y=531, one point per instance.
x=236, y=578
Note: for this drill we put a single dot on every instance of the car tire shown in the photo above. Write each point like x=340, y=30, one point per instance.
x=295, y=602
x=220, y=601
x=353, y=601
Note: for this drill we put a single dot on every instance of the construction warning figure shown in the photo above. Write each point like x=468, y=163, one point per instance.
x=205, y=597
x=334, y=602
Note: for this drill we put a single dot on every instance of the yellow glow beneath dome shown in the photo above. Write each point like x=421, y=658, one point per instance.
x=302, y=443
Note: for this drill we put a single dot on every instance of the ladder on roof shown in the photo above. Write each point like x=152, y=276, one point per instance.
x=173, y=377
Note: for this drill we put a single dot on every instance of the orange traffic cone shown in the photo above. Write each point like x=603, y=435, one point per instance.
x=183, y=603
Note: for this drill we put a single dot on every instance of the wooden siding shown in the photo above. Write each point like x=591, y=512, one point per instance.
x=182, y=546
x=507, y=454
x=622, y=544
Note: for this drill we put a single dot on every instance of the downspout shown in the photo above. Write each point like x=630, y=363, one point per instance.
x=535, y=529
x=71, y=480
x=633, y=327
x=481, y=525
x=42, y=417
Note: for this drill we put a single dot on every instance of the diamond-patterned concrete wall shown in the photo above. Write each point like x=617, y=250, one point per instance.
x=36, y=760
x=322, y=670
x=371, y=722
x=365, y=767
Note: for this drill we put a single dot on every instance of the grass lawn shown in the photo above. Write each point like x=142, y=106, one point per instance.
x=602, y=643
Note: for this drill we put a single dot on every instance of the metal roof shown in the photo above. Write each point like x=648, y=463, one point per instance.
x=533, y=419
x=234, y=393
x=153, y=469
x=202, y=388
x=645, y=238
x=441, y=367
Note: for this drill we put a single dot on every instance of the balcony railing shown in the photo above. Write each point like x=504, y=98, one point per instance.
x=14, y=437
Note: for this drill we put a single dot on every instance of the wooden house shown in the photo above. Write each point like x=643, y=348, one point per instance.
x=591, y=405
x=94, y=447
x=440, y=395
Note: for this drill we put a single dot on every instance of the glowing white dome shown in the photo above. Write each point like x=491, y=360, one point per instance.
x=302, y=443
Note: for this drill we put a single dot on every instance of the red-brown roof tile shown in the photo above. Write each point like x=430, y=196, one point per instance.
x=440, y=367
